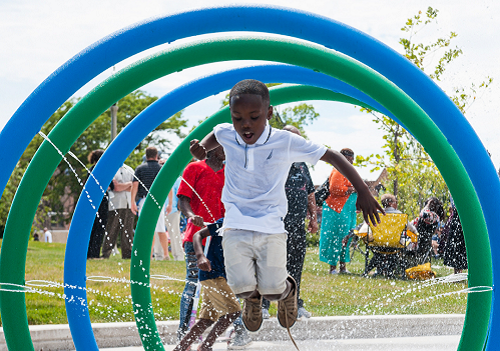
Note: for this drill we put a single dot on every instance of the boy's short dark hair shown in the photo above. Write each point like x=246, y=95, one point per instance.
x=250, y=86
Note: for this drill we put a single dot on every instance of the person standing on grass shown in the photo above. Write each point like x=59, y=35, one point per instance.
x=173, y=219
x=301, y=202
x=47, y=236
x=101, y=219
x=338, y=218
x=455, y=254
x=146, y=173
x=120, y=218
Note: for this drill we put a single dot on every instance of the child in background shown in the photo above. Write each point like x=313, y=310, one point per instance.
x=218, y=303
x=258, y=159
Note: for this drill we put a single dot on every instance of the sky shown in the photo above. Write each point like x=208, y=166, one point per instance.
x=37, y=37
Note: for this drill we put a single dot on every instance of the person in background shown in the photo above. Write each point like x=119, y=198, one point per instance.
x=436, y=241
x=427, y=224
x=219, y=304
x=200, y=201
x=173, y=222
x=101, y=219
x=47, y=236
x=301, y=202
x=338, y=218
x=385, y=262
x=146, y=174
x=390, y=204
x=455, y=254
x=120, y=218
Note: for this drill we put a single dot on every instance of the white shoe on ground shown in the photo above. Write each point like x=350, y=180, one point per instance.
x=303, y=313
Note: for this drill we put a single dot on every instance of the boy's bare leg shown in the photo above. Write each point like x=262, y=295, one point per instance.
x=278, y=297
x=193, y=334
x=217, y=330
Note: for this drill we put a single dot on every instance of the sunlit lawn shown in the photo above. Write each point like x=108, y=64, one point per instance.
x=324, y=294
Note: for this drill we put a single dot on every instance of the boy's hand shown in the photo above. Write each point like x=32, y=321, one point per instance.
x=197, y=221
x=370, y=207
x=313, y=225
x=204, y=264
x=197, y=150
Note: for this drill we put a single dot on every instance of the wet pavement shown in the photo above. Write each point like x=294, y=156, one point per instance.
x=428, y=343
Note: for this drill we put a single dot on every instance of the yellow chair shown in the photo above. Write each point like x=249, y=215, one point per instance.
x=388, y=241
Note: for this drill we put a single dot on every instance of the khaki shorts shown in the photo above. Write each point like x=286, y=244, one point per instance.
x=255, y=260
x=218, y=299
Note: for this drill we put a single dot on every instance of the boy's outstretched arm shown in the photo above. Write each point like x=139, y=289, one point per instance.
x=366, y=202
x=203, y=262
x=199, y=149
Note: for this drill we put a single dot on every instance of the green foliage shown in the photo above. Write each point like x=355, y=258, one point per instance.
x=413, y=176
x=418, y=52
x=63, y=186
x=298, y=116
x=8, y=196
x=128, y=108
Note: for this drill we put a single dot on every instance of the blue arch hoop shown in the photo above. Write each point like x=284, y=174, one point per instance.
x=137, y=130
x=83, y=67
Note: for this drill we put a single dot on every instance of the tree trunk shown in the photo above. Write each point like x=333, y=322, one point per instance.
x=397, y=158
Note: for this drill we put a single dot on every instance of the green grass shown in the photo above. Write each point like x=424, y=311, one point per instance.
x=324, y=294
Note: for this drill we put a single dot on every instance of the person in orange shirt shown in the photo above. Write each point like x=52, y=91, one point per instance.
x=338, y=218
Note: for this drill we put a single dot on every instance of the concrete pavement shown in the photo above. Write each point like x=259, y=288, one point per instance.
x=379, y=332
x=421, y=343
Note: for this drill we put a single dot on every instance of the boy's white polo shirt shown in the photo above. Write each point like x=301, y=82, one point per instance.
x=255, y=175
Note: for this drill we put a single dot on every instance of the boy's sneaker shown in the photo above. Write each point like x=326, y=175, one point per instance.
x=240, y=340
x=252, y=314
x=287, y=308
x=303, y=313
x=265, y=313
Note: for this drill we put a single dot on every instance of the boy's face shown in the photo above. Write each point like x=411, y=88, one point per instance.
x=249, y=114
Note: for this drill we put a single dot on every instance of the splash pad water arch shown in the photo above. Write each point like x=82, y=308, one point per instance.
x=65, y=81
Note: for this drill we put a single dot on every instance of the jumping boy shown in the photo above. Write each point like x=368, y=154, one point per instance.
x=219, y=303
x=258, y=159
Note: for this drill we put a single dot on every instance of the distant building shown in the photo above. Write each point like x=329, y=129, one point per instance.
x=376, y=185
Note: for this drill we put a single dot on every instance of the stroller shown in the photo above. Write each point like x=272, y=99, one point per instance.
x=389, y=241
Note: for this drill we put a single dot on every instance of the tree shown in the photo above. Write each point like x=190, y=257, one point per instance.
x=413, y=176
x=64, y=184
x=298, y=116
